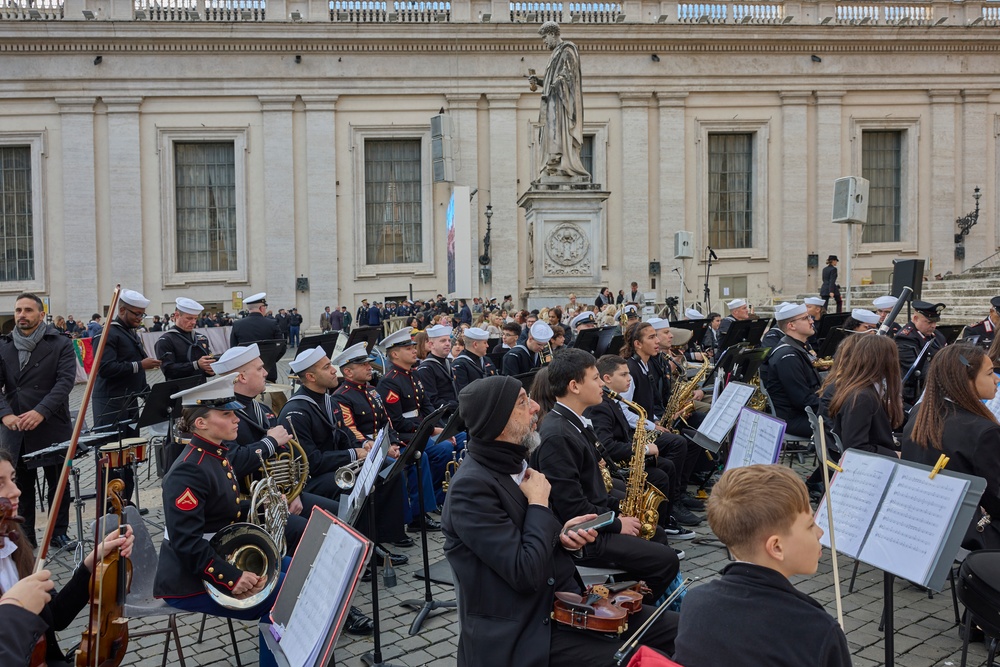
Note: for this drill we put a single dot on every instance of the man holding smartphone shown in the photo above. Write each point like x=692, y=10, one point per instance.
x=509, y=552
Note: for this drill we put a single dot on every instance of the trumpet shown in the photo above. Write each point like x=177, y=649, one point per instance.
x=347, y=475
x=451, y=468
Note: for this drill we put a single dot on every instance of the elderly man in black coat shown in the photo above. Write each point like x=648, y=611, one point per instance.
x=37, y=371
x=509, y=552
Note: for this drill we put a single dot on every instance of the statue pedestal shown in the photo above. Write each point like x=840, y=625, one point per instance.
x=564, y=225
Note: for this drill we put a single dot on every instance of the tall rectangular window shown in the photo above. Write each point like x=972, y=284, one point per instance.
x=205, y=184
x=393, y=222
x=587, y=155
x=882, y=165
x=17, y=261
x=730, y=190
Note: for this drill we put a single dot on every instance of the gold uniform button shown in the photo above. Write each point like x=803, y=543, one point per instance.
x=229, y=475
x=234, y=488
x=211, y=570
x=230, y=584
x=200, y=449
x=239, y=514
x=220, y=577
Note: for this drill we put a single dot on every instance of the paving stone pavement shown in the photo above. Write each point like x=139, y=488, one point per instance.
x=926, y=635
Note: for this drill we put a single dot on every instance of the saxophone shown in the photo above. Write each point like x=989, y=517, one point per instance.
x=757, y=400
x=641, y=499
x=680, y=398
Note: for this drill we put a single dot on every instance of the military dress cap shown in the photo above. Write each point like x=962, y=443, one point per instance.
x=659, y=323
x=736, y=303
x=260, y=297
x=813, y=301
x=355, y=354
x=631, y=310
x=931, y=311
x=189, y=306
x=401, y=337
x=884, y=302
x=133, y=298
x=216, y=394
x=833, y=258
x=787, y=311
x=693, y=314
x=541, y=332
x=307, y=359
x=438, y=330
x=235, y=357
x=864, y=316
x=995, y=302
x=583, y=318
x=475, y=333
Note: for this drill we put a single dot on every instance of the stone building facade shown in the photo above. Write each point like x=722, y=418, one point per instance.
x=201, y=150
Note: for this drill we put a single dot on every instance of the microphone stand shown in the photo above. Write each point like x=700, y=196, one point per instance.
x=708, y=272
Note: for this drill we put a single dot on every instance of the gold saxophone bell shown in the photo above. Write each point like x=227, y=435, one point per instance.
x=346, y=476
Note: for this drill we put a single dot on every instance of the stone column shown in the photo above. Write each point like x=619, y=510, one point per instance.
x=943, y=205
x=465, y=150
x=982, y=239
x=79, y=216
x=508, y=260
x=276, y=231
x=787, y=249
x=829, y=239
x=673, y=160
x=635, y=241
x=322, y=265
x=125, y=206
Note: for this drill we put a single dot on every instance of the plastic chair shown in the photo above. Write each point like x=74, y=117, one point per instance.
x=140, y=602
x=979, y=591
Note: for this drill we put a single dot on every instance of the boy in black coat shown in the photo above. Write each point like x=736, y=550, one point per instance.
x=762, y=513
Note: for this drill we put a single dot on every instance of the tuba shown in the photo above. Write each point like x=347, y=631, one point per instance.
x=641, y=498
x=255, y=546
x=289, y=471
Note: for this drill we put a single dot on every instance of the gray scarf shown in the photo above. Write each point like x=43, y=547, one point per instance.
x=25, y=345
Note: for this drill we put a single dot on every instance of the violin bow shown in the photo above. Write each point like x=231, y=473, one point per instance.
x=60, y=490
x=629, y=647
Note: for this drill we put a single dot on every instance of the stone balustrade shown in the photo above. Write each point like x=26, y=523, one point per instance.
x=790, y=13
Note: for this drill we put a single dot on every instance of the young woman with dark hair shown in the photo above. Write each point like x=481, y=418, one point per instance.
x=952, y=420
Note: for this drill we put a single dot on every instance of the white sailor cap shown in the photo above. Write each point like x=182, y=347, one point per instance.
x=189, y=306
x=438, y=330
x=541, y=332
x=694, y=314
x=307, y=359
x=586, y=317
x=865, y=316
x=475, y=333
x=133, y=298
x=216, y=394
x=235, y=357
x=813, y=301
x=631, y=309
x=259, y=297
x=736, y=303
x=884, y=302
x=787, y=311
x=355, y=354
x=401, y=337
x=659, y=323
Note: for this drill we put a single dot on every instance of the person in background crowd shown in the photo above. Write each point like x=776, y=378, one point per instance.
x=347, y=319
x=830, y=287
x=284, y=323
x=294, y=326
x=94, y=326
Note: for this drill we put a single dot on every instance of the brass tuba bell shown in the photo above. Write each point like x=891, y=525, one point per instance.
x=250, y=549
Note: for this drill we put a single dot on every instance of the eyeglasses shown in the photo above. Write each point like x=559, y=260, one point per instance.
x=137, y=313
x=797, y=319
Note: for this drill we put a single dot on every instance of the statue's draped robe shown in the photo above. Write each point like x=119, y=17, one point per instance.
x=561, y=114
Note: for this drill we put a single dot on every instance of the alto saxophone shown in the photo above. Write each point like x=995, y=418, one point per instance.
x=680, y=401
x=641, y=498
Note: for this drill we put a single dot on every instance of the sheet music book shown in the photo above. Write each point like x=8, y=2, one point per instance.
x=757, y=439
x=890, y=514
x=311, y=608
x=351, y=506
x=722, y=417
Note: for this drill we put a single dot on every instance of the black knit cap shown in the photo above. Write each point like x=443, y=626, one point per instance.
x=486, y=404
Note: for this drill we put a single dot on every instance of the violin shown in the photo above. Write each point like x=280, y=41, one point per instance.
x=590, y=612
x=105, y=640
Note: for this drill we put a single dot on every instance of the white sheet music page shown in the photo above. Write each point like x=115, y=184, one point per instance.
x=912, y=523
x=373, y=464
x=993, y=405
x=856, y=493
x=323, y=592
x=757, y=439
x=725, y=411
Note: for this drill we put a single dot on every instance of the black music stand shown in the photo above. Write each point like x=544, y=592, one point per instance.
x=696, y=327
x=950, y=332
x=270, y=352
x=368, y=335
x=605, y=340
x=587, y=340
x=417, y=444
x=527, y=379
x=738, y=332
x=125, y=426
x=159, y=408
x=830, y=321
x=832, y=341
x=327, y=341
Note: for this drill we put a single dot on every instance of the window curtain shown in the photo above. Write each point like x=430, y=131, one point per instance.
x=205, y=175
x=881, y=164
x=730, y=190
x=393, y=226
x=16, y=216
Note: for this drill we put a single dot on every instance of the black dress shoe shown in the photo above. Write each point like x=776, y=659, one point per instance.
x=429, y=524
x=396, y=559
x=357, y=623
x=367, y=576
x=60, y=541
x=404, y=543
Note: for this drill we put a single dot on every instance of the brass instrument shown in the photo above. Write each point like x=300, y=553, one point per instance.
x=680, y=398
x=451, y=468
x=823, y=364
x=289, y=471
x=546, y=356
x=758, y=401
x=641, y=498
x=256, y=546
x=346, y=476
x=605, y=476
